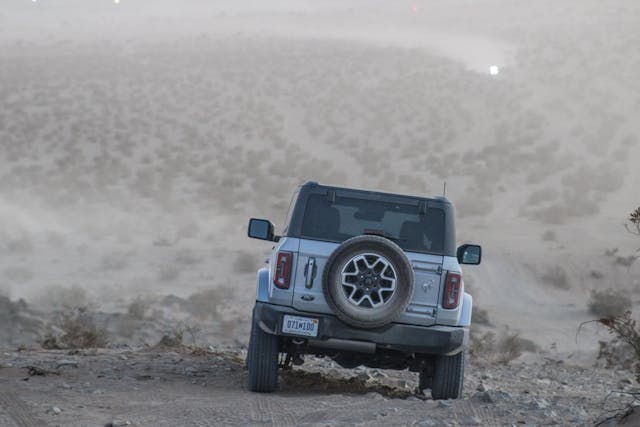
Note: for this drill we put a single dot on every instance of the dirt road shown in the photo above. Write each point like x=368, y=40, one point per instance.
x=202, y=388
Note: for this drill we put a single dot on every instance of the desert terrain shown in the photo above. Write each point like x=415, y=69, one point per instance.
x=137, y=137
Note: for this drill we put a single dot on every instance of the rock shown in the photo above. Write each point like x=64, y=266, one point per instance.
x=472, y=421
x=66, y=362
x=119, y=423
x=427, y=422
x=65, y=386
x=378, y=374
x=481, y=387
x=364, y=376
x=539, y=404
x=402, y=384
x=54, y=410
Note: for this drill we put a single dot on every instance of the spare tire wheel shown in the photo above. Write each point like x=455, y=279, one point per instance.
x=368, y=281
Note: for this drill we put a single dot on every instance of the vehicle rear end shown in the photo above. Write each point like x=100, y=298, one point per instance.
x=366, y=278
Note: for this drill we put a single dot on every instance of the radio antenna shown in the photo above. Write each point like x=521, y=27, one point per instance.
x=444, y=189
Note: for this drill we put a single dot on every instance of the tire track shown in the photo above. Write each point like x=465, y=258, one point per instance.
x=19, y=412
x=265, y=409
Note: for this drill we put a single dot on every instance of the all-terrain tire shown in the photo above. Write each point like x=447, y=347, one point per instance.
x=338, y=300
x=262, y=360
x=448, y=377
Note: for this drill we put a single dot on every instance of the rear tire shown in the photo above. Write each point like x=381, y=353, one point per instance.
x=262, y=360
x=448, y=377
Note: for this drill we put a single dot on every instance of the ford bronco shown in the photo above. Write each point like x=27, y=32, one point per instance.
x=364, y=278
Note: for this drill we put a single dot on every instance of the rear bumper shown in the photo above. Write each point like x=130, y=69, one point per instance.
x=333, y=333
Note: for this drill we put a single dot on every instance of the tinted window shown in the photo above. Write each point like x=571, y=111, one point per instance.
x=348, y=217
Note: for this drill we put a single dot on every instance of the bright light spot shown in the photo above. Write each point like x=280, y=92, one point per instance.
x=494, y=70
x=34, y=1
x=414, y=7
x=116, y=1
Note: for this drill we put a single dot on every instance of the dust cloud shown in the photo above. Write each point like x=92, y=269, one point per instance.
x=136, y=138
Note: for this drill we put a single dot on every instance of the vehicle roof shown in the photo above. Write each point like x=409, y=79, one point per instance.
x=316, y=185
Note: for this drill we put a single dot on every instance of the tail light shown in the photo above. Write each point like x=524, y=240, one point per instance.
x=452, y=291
x=282, y=275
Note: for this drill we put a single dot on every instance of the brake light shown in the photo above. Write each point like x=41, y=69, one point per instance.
x=282, y=274
x=452, y=290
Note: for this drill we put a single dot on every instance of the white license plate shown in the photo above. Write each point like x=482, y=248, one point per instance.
x=300, y=325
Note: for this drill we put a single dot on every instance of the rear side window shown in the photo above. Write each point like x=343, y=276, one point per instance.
x=349, y=216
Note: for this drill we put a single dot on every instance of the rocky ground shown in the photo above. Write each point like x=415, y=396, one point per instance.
x=181, y=385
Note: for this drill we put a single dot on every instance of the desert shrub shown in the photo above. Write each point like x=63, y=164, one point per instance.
x=595, y=274
x=624, y=328
x=634, y=222
x=206, y=303
x=502, y=349
x=625, y=261
x=246, y=262
x=608, y=302
x=175, y=338
x=79, y=331
x=138, y=309
x=557, y=277
x=168, y=272
x=611, y=252
x=481, y=346
x=480, y=316
x=616, y=354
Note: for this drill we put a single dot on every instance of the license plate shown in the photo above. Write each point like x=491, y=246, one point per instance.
x=300, y=325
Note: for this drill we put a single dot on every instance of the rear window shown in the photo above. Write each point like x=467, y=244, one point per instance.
x=349, y=216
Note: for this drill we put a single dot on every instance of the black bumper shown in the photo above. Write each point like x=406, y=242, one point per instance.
x=395, y=336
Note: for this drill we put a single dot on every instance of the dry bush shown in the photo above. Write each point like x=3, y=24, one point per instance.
x=634, y=222
x=138, y=309
x=625, y=261
x=206, y=303
x=246, y=262
x=480, y=316
x=557, y=277
x=608, y=302
x=79, y=331
x=168, y=272
x=616, y=354
x=481, y=346
x=625, y=329
x=503, y=349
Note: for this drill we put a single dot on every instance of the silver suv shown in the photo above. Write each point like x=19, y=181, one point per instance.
x=364, y=278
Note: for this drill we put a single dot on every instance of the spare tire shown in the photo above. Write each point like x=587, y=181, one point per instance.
x=368, y=281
